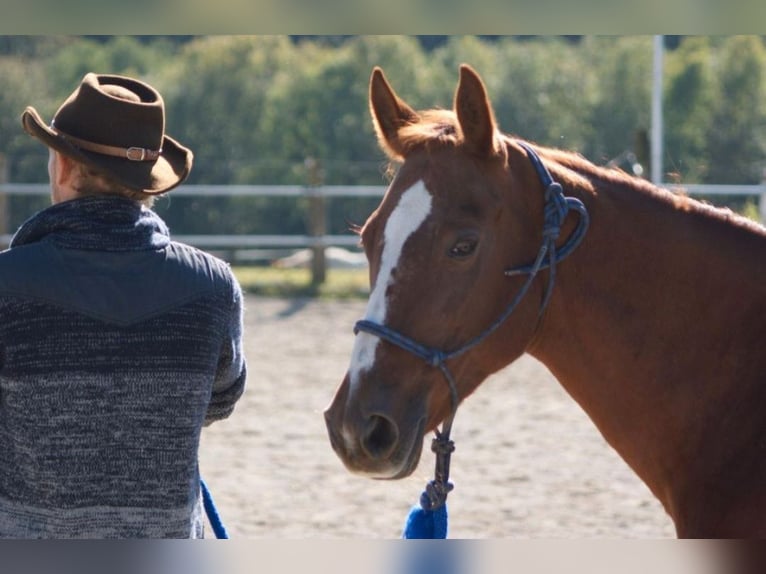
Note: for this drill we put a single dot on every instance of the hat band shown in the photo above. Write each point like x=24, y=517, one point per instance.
x=130, y=153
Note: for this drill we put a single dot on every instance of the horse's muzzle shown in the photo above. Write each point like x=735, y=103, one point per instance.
x=372, y=443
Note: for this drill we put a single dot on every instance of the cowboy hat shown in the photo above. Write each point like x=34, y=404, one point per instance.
x=116, y=125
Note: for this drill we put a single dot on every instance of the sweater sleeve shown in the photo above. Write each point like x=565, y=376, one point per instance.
x=230, y=377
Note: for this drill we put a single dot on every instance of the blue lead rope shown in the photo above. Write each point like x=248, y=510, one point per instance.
x=212, y=513
x=428, y=520
x=425, y=524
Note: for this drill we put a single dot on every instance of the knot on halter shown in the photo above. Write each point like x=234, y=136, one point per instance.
x=556, y=208
x=435, y=494
x=442, y=445
x=437, y=358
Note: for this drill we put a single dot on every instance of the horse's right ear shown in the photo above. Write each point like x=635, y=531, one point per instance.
x=389, y=114
x=474, y=112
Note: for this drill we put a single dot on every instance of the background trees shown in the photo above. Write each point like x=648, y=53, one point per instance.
x=255, y=108
x=737, y=129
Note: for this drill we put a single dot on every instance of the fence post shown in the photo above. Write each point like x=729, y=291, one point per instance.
x=762, y=199
x=317, y=220
x=5, y=205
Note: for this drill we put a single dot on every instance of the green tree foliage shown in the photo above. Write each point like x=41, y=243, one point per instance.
x=688, y=108
x=215, y=92
x=123, y=55
x=21, y=77
x=261, y=109
x=622, y=105
x=26, y=159
x=543, y=92
x=319, y=111
x=737, y=134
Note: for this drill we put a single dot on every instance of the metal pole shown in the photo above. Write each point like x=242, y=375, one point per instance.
x=657, y=127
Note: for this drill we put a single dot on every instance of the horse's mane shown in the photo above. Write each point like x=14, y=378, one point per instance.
x=599, y=176
x=437, y=128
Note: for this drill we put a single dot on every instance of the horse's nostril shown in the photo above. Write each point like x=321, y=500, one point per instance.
x=380, y=436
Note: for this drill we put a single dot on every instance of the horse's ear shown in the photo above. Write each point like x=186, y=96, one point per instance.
x=389, y=114
x=474, y=112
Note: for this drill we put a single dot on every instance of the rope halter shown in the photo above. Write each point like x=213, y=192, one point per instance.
x=556, y=208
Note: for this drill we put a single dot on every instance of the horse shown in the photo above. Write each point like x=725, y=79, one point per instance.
x=647, y=306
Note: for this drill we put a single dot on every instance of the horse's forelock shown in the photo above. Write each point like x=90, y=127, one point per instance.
x=434, y=128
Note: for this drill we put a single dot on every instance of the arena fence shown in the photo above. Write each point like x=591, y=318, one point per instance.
x=316, y=237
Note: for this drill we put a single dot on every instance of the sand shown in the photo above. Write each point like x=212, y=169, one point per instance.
x=528, y=464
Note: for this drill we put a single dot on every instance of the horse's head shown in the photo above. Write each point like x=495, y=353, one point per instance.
x=464, y=206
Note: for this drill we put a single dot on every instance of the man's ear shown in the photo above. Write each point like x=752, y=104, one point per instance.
x=64, y=177
x=64, y=169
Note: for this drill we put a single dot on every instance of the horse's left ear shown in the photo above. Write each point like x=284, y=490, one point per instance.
x=389, y=114
x=474, y=112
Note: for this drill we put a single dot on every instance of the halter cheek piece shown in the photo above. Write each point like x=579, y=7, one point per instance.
x=557, y=206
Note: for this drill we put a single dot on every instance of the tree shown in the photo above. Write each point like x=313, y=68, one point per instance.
x=688, y=106
x=320, y=111
x=122, y=55
x=623, y=74
x=254, y=108
x=737, y=134
x=541, y=90
x=215, y=93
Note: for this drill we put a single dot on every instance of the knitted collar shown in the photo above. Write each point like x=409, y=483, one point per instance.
x=100, y=223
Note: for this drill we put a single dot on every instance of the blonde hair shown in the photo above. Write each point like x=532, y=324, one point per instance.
x=93, y=182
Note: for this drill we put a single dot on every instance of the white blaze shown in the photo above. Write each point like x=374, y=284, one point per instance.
x=411, y=211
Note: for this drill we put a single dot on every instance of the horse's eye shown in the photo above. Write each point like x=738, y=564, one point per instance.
x=464, y=247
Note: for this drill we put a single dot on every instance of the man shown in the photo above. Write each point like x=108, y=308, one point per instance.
x=117, y=345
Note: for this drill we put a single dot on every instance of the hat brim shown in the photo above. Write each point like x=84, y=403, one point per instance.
x=155, y=177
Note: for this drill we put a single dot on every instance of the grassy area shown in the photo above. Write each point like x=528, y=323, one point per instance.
x=273, y=282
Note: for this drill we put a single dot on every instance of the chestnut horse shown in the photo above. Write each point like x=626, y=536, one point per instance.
x=654, y=323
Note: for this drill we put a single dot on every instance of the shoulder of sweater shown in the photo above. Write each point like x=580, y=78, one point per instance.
x=214, y=268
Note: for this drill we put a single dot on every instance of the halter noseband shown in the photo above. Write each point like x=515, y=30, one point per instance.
x=556, y=208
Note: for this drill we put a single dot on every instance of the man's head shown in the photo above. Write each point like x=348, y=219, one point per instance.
x=109, y=137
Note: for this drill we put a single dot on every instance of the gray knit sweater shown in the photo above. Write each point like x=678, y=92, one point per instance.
x=116, y=346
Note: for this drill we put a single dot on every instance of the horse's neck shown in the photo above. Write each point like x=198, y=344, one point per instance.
x=636, y=315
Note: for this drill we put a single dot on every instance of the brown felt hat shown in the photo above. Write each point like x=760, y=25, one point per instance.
x=116, y=125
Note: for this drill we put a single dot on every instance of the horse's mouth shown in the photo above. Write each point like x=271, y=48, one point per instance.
x=412, y=455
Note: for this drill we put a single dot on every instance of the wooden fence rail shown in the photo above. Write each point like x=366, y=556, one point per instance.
x=316, y=237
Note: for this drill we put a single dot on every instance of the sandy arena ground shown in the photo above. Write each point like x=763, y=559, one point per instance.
x=528, y=464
